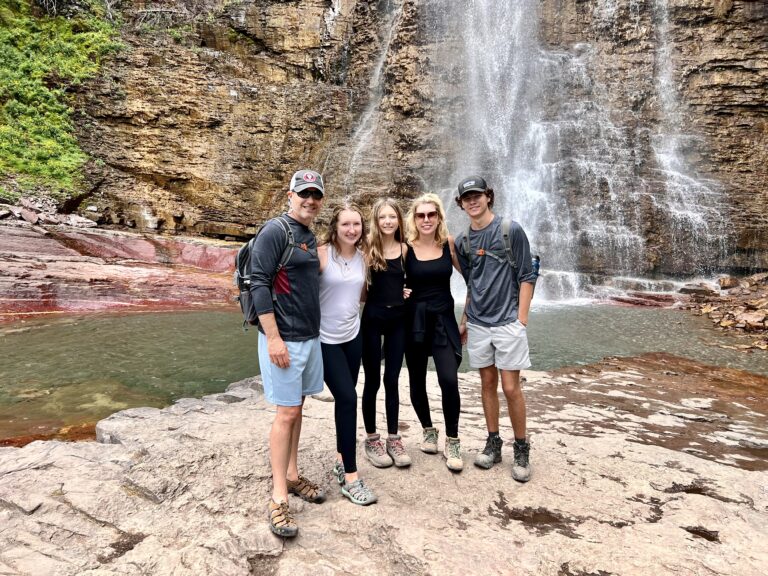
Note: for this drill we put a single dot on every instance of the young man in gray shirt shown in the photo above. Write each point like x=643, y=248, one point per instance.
x=287, y=301
x=499, y=291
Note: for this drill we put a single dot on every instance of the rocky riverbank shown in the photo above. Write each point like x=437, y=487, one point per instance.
x=739, y=307
x=64, y=268
x=647, y=465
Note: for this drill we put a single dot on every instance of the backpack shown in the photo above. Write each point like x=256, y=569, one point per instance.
x=500, y=255
x=242, y=275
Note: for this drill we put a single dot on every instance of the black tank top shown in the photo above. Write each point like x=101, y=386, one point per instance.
x=386, y=288
x=430, y=280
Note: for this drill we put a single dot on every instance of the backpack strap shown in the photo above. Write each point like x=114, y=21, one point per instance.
x=504, y=255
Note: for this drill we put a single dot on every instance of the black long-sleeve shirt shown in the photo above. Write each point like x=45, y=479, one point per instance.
x=296, y=287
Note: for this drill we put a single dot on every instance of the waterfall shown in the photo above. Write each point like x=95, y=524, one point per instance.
x=539, y=125
x=363, y=137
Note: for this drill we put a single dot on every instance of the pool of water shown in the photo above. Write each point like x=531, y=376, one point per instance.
x=64, y=371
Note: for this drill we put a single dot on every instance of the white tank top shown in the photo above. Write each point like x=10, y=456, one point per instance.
x=341, y=284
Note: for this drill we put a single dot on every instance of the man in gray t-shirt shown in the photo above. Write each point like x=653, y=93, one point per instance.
x=500, y=281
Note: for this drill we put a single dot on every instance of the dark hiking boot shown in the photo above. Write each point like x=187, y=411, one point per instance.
x=491, y=454
x=521, y=469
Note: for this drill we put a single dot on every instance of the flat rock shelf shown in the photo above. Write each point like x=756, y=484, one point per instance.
x=652, y=465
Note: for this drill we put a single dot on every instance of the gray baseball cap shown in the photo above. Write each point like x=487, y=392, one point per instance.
x=304, y=179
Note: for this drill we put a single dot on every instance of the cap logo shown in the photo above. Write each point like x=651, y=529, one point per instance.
x=468, y=184
x=309, y=177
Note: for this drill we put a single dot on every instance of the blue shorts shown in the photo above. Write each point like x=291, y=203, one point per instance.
x=304, y=377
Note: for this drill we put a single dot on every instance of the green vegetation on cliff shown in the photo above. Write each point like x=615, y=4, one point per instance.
x=41, y=58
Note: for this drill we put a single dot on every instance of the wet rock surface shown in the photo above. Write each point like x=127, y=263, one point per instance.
x=646, y=465
x=64, y=269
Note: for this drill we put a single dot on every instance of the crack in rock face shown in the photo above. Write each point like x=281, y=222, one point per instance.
x=121, y=546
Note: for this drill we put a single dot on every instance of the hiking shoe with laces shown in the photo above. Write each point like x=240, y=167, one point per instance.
x=491, y=454
x=429, y=445
x=397, y=452
x=376, y=452
x=281, y=520
x=521, y=469
x=452, y=454
x=306, y=490
x=358, y=493
x=339, y=473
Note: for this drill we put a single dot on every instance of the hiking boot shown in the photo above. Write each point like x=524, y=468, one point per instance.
x=452, y=454
x=521, y=469
x=306, y=490
x=376, y=452
x=281, y=520
x=429, y=446
x=397, y=452
x=339, y=473
x=491, y=454
x=359, y=493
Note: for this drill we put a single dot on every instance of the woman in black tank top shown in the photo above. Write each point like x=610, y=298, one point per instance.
x=384, y=318
x=433, y=330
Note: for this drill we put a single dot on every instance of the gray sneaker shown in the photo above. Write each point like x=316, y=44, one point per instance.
x=521, y=469
x=359, y=493
x=339, y=473
x=376, y=452
x=429, y=446
x=452, y=454
x=491, y=454
x=397, y=452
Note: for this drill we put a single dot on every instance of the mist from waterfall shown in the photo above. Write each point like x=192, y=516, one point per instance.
x=536, y=125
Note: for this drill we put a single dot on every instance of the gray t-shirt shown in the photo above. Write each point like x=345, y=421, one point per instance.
x=296, y=286
x=494, y=286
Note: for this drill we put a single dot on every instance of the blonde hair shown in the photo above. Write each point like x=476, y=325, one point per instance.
x=441, y=234
x=331, y=235
x=374, y=254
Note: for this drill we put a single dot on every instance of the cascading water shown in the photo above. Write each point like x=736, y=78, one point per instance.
x=541, y=130
x=363, y=137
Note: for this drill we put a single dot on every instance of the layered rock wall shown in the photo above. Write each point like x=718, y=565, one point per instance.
x=197, y=125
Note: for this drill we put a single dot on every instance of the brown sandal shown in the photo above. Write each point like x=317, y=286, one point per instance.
x=281, y=520
x=306, y=490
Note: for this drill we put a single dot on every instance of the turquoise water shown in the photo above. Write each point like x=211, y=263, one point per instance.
x=64, y=371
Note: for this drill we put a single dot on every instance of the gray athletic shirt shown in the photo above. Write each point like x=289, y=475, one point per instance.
x=296, y=286
x=493, y=286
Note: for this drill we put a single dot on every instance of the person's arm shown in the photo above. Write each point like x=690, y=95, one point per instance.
x=322, y=255
x=454, y=258
x=265, y=256
x=278, y=351
x=524, y=306
x=463, y=323
x=526, y=277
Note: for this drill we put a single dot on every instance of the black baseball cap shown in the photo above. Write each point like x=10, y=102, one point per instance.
x=472, y=184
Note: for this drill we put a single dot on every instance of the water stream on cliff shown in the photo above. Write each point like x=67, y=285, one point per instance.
x=593, y=190
x=71, y=370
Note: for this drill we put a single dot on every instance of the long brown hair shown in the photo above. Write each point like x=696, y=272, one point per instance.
x=441, y=233
x=374, y=254
x=331, y=235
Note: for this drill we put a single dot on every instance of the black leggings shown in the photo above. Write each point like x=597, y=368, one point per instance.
x=446, y=364
x=381, y=321
x=341, y=365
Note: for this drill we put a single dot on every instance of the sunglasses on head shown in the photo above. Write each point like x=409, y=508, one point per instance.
x=426, y=215
x=307, y=192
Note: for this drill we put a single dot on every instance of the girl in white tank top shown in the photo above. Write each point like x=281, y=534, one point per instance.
x=342, y=282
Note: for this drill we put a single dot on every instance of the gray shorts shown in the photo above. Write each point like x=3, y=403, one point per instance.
x=506, y=346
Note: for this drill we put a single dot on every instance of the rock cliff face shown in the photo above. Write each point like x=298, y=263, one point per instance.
x=197, y=125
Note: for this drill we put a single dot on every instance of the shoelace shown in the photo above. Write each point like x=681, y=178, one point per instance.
x=359, y=490
x=521, y=455
x=430, y=436
x=378, y=447
x=454, y=450
x=397, y=447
